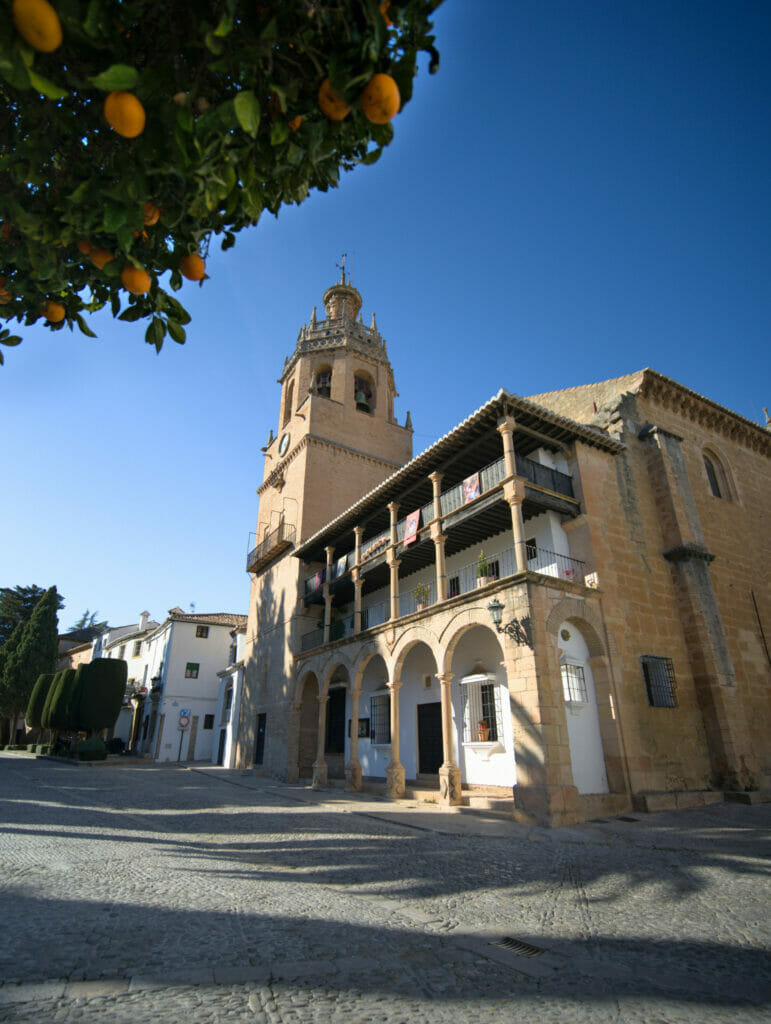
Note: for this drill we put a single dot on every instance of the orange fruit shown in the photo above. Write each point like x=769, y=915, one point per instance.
x=85, y=246
x=330, y=103
x=192, y=267
x=295, y=123
x=5, y=295
x=143, y=235
x=125, y=114
x=54, y=312
x=135, y=280
x=38, y=24
x=100, y=257
x=384, y=11
x=380, y=100
x=150, y=214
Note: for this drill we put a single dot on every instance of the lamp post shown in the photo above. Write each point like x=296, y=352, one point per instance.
x=517, y=630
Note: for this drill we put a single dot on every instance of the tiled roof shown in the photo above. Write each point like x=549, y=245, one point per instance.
x=210, y=619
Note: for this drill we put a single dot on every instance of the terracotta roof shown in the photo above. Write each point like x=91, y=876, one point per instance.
x=210, y=619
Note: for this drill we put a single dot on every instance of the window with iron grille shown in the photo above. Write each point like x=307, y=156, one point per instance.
x=482, y=718
x=574, y=684
x=191, y=670
x=137, y=649
x=453, y=586
x=380, y=718
x=659, y=676
x=202, y=631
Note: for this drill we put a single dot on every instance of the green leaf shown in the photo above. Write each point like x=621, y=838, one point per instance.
x=155, y=333
x=228, y=241
x=85, y=329
x=225, y=26
x=175, y=280
x=176, y=331
x=6, y=338
x=48, y=89
x=93, y=20
x=114, y=217
x=215, y=45
x=247, y=108
x=279, y=132
x=133, y=313
x=116, y=77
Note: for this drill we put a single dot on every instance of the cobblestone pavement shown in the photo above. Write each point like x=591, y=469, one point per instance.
x=148, y=894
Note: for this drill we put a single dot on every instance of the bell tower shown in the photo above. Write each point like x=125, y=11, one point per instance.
x=336, y=437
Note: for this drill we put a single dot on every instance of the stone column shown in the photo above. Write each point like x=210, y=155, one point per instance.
x=393, y=565
x=506, y=430
x=449, y=772
x=395, y=769
x=514, y=493
x=358, y=533
x=327, y=595
x=353, y=768
x=441, y=570
x=436, y=485
x=357, y=588
x=320, y=764
x=393, y=509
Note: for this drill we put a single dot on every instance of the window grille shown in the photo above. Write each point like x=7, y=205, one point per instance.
x=380, y=718
x=574, y=684
x=137, y=649
x=659, y=675
x=202, y=631
x=482, y=718
x=191, y=670
x=453, y=586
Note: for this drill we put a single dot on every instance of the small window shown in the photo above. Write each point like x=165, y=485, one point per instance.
x=137, y=649
x=659, y=676
x=574, y=684
x=202, y=631
x=453, y=586
x=288, y=403
x=228, y=705
x=380, y=719
x=208, y=721
x=122, y=651
x=482, y=717
x=323, y=383
x=363, y=394
x=531, y=548
x=718, y=484
x=191, y=670
x=233, y=654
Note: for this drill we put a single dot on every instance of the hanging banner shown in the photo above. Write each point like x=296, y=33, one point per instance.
x=470, y=488
x=318, y=579
x=342, y=565
x=411, y=524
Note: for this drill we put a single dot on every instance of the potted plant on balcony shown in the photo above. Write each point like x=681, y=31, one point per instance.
x=484, y=573
x=422, y=595
x=483, y=730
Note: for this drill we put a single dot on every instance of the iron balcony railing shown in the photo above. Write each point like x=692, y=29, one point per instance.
x=416, y=598
x=282, y=537
x=374, y=615
x=544, y=476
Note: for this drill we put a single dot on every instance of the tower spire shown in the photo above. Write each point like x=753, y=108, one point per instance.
x=341, y=265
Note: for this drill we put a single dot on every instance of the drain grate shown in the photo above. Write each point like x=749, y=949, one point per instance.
x=516, y=946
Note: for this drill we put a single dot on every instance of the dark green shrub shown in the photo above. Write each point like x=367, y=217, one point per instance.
x=100, y=688
x=31, y=747
x=60, y=715
x=18, y=746
x=92, y=749
x=45, y=715
x=37, y=700
x=43, y=748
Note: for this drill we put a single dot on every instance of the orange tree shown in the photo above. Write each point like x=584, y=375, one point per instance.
x=133, y=132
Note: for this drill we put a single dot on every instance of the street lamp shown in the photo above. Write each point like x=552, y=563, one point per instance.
x=517, y=630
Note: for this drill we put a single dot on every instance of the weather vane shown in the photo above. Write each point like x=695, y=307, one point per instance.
x=341, y=265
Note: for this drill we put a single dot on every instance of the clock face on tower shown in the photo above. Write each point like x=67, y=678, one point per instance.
x=283, y=445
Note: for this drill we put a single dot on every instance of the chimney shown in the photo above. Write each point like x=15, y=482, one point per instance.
x=143, y=617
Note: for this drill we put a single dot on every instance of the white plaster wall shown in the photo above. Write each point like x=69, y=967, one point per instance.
x=583, y=720
x=233, y=678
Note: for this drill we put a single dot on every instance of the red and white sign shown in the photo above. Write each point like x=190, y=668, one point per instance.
x=184, y=719
x=411, y=524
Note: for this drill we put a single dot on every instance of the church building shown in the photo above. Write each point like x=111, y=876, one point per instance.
x=561, y=608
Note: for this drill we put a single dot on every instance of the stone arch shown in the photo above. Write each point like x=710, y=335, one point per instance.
x=717, y=473
x=303, y=735
x=454, y=632
x=322, y=380
x=370, y=651
x=333, y=666
x=302, y=678
x=364, y=390
x=586, y=618
x=407, y=640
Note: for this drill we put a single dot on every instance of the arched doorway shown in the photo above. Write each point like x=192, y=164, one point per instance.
x=374, y=725
x=581, y=712
x=334, y=741
x=420, y=714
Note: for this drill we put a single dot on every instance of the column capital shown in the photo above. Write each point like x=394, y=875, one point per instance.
x=394, y=563
x=393, y=507
x=358, y=532
x=506, y=425
x=436, y=476
x=324, y=699
x=358, y=582
x=330, y=552
x=445, y=678
x=395, y=685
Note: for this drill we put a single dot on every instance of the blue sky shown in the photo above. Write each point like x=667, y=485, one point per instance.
x=582, y=190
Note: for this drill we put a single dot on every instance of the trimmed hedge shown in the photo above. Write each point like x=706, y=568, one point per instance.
x=92, y=749
x=100, y=690
x=37, y=699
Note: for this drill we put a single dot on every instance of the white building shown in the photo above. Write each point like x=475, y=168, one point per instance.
x=229, y=705
x=181, y=659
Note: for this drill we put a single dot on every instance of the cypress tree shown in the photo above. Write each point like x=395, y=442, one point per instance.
x=36, y=653
x=45, y=717
x=100, y=690
x=60, y=715
x=37, y=700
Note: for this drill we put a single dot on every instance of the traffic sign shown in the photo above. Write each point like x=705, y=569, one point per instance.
x=184, y=718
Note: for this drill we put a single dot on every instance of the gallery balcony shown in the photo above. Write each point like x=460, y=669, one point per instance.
x=271, y=547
